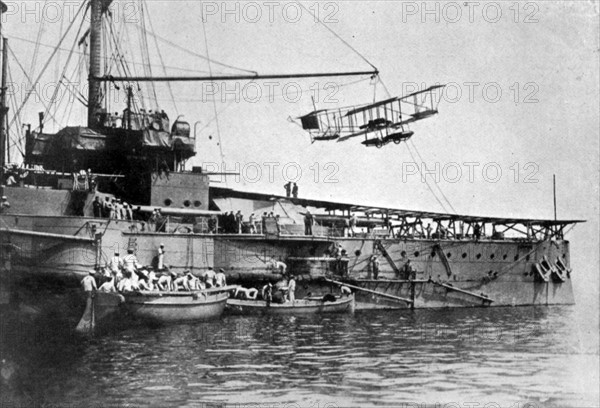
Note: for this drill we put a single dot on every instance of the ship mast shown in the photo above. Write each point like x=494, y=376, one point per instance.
x=94, y=96
x=3, y=107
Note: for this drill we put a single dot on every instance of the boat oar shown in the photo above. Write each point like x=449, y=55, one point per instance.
x=374, y=292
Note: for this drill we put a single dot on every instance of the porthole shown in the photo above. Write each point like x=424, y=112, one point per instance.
x=168, y=202
x=197, y=203
x=357, y=252
x=478, y=256
x=516, y=257
x=492, y=256
x=432, y=254
x=448, y=255
x=504, y=256
x=403, y=254
x=464, y=255
x=527, y=258
x=187, y=203
x=417, y=253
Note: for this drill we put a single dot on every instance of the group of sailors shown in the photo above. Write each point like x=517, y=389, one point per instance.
x=235, y=223
x=115, y=208
x=14, y=175
x=126, y=274
x=283, y=291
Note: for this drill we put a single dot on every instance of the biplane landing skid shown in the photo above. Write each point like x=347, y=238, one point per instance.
x=325, y=138
x=397, y=138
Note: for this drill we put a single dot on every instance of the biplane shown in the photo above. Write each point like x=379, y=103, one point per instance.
x=380, y=123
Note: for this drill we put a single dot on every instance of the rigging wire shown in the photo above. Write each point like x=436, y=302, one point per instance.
x=162, y=62
x=421, y=162
x=206, y=58
x=31, y=91
x=56, y=89
x=36, y=49
x=339, y=37
x=48, y=61
x=427, y=183
x=214, y=102
x=150, y=86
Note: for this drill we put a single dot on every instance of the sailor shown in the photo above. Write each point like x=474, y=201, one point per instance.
x=239, y=219
x=116, y=265
x=130, y=261
x=277, y=266
x=267, y=293
x=209, y=278
x=220, y=279
x=119, y=210
x=113, y=209
x=108, y=286
x=127, y=212
x=428, y=230
x=193, y=282
x=144, y=283
x=252, y=223
x=375, y=266
x=477, y=231
x=126, y=285
x=106, y=208
x=161, y=257
x=181, y=282
x=408, y=270
x=277, y=224
x=345, y=290
x=165, y=282
x=97, y=207
x=352, y=222
x=308, y=223
x=291, y=289
x=264, y=223
x=4, y=204
x=295, y=191
x=288, y=189
x=89, y=282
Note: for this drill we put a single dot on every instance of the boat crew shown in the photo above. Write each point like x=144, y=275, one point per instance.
x=295, y=190
x=165, y=282
x=108, y=286
x=89, y=282
x=130, y=261
x=209, y=278
x=267, y=293
x=181, y=282
x=116, y=265
x=291, y=290
x=193, y=282
x=220, y=279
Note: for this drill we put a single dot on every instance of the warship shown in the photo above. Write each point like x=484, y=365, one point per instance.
x=66, y=189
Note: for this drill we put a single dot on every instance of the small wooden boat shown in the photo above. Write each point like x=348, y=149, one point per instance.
x=300, y=306
x=170, y=307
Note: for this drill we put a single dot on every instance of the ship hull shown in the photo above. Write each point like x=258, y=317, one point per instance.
x=501, y=270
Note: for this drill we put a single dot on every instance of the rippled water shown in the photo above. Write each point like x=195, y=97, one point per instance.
x=501, y=355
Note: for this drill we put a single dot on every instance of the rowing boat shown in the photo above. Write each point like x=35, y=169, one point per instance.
x=300, y=306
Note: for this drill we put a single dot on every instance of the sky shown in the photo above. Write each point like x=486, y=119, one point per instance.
x=521, y=102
